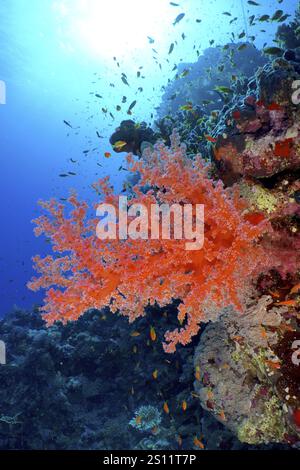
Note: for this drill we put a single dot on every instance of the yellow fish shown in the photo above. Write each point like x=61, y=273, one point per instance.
x=186, y=107
x=153, y=335
x=197, y=373
x=119, y=145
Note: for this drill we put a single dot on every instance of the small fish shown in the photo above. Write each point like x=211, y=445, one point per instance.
x=124, y=99
x=132, y=105
x=223, y=89
x=178, y=18
x=124, y=80
x=186, y=107
x=63, y=175
x=107, y=154
x=166, y=408
x=155, y=374
x=283, y=18
x=273, y=365
x=211, y=139
x=295, y=289
x=198, y=21
x=226, y=13
x=277, y=15
x=184, y=73
x=151, y=40
x=135, y=349
x=174, y=4
x=119, y=145
x=264, y=18
x=184, y=405
x=197, y=373
x=171, y=48
x=68, y=124
x=98, y=96
x=288, y=303
x=273, y=50
x=71, y=173
x=222, y=415
x=198, y=443
x=118, y=107
x=263, y=333
x=242, y=47
x=135, y=334
x=138, y=420
x=251, y=2
x=251, y=20
x=153, y=335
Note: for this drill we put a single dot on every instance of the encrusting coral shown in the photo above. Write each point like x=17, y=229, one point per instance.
x=130, y=274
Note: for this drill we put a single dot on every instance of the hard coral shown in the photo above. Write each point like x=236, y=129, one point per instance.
x=128, y=275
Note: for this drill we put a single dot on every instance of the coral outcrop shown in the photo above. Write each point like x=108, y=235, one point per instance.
x=241, y=374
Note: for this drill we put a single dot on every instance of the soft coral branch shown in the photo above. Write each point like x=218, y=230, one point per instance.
x=131, y=274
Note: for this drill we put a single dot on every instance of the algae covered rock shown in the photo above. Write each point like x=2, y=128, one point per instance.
x=240, y=372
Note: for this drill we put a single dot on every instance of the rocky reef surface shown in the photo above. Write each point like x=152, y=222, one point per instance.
x=101, y=383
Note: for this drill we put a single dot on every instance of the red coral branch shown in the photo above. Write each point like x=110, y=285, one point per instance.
x=131, y=274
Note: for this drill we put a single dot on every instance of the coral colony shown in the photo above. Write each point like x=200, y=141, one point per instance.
x=129, y=276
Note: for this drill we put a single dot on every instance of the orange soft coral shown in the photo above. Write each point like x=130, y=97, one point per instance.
x=131, y=274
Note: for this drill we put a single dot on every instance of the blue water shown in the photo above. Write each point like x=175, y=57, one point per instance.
x=55, y=55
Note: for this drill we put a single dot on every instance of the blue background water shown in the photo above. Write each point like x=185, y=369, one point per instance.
x=55, y=55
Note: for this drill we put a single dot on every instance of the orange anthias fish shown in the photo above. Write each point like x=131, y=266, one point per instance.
x=107, y=154
x=198, y=443
x=197, y=373
x=166, y=408
x=153, y=335
x=273, y=365
x=184, y=405
x=295, y=289
x=211, y=139
x=288, y=303
x=138, y=420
